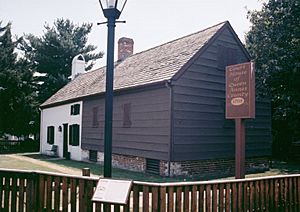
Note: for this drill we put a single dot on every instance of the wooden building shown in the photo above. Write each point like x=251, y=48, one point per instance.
x=169, y=109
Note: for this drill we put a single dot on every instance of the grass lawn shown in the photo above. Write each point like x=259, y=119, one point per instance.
x=12, y=163
x=36, y=161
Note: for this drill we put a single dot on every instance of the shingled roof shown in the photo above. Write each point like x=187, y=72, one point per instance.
x=154, y=65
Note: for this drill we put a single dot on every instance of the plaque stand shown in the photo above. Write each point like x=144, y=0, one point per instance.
x=112, y=191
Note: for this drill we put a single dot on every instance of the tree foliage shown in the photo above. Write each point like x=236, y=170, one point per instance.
x=274, y=44
x=53, y=52
x=17, y=88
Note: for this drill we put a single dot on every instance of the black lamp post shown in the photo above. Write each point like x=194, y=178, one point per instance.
x=112, y=10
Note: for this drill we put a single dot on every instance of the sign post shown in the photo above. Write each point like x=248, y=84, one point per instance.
x=240, y=104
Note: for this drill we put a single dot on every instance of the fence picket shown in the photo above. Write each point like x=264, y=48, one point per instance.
x=240, y=196
x=65, y=194
x=162, y=200
x=246, y=196
x=49, y=194
x=228, y=197
x=234, y=196
x=186, y=199
x=6, y=193
x=194, y=198
x=56, y=193
x=221, y=197
x=295, y=193
x=178, y=198
x=14, y=194
x=145, y=198
x=73, y=201
x=1, y=191
x=135, y=198
x=155, y=198
x=41, y=203
x=262, y=195
x=290, y=195
x=208, y=197
x=21, y=194
x=170, y=199
x=201, y=198
x=267, y=197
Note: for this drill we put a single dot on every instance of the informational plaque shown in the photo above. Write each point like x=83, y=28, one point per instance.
x=112, y=191
x=240, y=91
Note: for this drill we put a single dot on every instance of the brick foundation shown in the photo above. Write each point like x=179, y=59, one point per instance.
x=220, y=167
x=127, y=162
x=201, y=168
x=132, y=163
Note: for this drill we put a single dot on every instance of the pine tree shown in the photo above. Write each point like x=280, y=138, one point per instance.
x=53, y=52
x=17, y=94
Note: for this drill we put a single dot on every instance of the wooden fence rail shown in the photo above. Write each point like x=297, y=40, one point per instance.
x=44, y=191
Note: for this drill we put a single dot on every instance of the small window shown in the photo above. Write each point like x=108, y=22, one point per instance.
x=95, y=117
x=127, y=115
x=74, y=135
x=50, y=135
x=75, y=109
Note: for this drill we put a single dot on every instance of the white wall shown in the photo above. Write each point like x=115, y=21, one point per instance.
x=57, y=116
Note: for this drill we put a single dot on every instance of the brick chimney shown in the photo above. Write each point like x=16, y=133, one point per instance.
x=125, y=48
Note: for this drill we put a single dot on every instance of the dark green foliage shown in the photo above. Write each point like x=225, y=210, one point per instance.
x=53, y=52
x=274, y=44
x=18, y=107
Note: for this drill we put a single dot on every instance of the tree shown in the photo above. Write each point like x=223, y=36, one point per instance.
x=53, y=52
x=17, y=88
x=274, y=44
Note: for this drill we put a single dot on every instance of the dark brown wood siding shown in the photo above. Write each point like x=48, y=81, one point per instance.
x=148, y=134
x=200, y=128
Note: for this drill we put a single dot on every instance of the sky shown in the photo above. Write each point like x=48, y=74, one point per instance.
x=148, y=22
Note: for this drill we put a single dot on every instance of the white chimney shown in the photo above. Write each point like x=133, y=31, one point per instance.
x=78, y=66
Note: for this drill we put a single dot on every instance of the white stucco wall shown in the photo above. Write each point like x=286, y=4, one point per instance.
x=57, y=116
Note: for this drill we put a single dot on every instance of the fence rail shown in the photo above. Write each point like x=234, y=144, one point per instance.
x=45, y=191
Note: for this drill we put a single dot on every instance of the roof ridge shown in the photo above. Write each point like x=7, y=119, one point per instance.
x=223, y=22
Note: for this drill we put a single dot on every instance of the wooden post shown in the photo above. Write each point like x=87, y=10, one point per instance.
x=86, y=172
x=239, y=148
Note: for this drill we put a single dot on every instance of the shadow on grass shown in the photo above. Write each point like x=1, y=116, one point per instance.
x=277, y=168
x=97, y=169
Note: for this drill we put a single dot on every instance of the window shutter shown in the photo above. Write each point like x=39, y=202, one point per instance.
x=72, y=110
x=71, y=135
x=75, y=135
x=95, y=117
x=127, y=115
x=50, y=135
x=76, y=109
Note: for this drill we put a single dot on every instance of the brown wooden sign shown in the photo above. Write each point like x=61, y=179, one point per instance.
x=240, y=91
